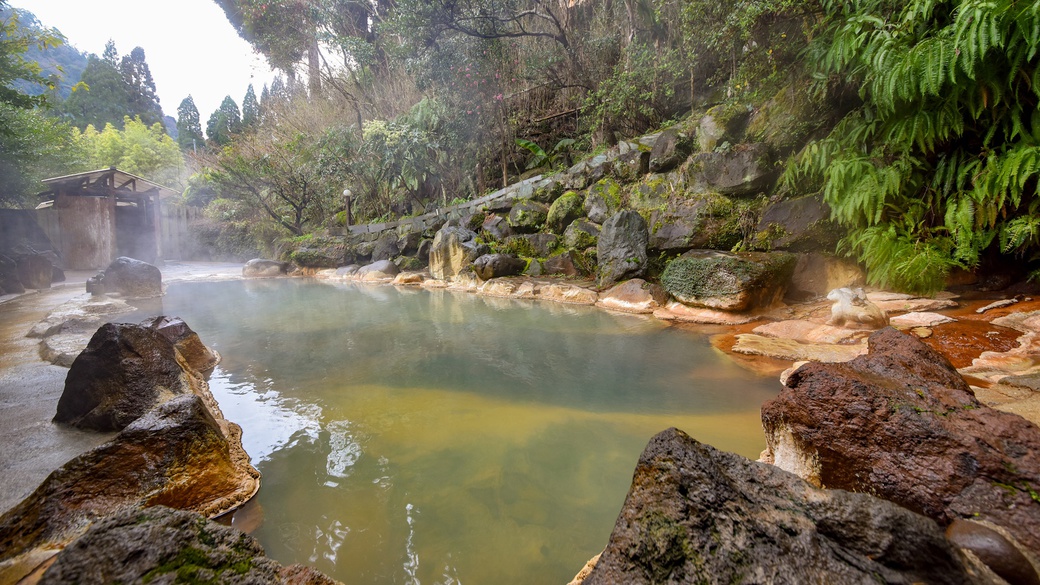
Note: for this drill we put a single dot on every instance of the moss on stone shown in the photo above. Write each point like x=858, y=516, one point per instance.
x=722, y=275
x=610, y=191
x=518, y=246
x=564, y=210
x=410, y=264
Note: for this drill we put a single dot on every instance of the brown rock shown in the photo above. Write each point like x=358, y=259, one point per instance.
x=994, y=550
x=698, y=515
x=35, y=271
x=454, y=249
x=125, y=371
x=793, y=350
x=901, y=423
x=676, y=311
x=176, y=455
x=185, y=341
x=634, y=296
x=817, y=274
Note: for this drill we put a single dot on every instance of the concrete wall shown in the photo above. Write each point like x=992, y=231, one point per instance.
x=82, y=230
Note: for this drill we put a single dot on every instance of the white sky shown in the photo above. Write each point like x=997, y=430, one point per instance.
x=189, y=45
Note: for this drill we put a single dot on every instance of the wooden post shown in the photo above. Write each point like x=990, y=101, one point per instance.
x=346, y=204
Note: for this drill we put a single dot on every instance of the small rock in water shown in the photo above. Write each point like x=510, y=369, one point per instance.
x=993, y=549
x=996, y=305
x=922, y=332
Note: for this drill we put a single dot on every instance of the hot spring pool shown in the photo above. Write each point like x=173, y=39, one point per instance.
x=413, y=436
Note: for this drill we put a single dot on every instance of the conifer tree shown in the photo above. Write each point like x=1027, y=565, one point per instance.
x=189, y=125
x=225, y=122
x=102, y=98
x=144, y=102
x=250, y=109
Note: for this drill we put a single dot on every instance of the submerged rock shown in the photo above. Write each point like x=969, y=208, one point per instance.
x=901, y=423
x=160, y=543
x=698, y=515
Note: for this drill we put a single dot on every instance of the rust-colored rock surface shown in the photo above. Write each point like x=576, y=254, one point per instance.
x=698, y=515
x=185, y=341
x=175, y=455
x=902, y=424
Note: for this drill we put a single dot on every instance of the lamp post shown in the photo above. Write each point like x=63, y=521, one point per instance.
x=346, y=205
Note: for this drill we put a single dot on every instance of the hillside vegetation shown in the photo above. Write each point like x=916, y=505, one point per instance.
x=916, y=122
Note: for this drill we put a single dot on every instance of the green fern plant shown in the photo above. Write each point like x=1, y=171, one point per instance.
x=941, y=160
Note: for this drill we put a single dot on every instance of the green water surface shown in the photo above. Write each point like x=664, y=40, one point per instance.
x=412, y=436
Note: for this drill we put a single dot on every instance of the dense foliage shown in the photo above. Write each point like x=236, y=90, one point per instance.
x=939, y=165
x=32, y=146
x=137, y=148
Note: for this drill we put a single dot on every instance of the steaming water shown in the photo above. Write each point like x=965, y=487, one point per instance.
x=408, y=436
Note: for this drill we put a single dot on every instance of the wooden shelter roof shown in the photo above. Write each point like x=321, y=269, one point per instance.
x=104, y=182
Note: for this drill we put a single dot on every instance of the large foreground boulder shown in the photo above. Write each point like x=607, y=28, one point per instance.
x=902, y=424
x=160, y=544
x=128, y=277
x=728, y=281
x=125, y=371
x=176, y=455
x=698, y=515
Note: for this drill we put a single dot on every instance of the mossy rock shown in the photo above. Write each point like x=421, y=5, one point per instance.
x=549, y=192
x=729, y=281
x=654, y=191
x=530, y=245
x=611, y=192
x=788, y=119
x=410, y=264
x=318, y=251
x=722, y=123
x=581, y=234
x=528, y=216
x=563, y=211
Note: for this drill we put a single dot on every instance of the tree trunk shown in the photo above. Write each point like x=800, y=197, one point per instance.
x=314, y=68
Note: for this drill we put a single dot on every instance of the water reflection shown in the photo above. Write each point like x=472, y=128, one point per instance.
x=428, y=437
